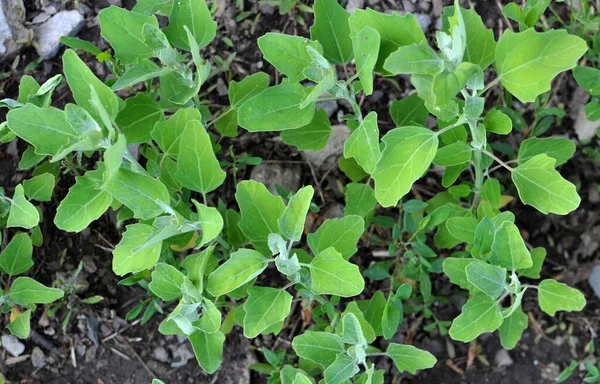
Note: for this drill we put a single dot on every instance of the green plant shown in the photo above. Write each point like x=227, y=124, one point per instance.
x=589, y=363
x=167, y=196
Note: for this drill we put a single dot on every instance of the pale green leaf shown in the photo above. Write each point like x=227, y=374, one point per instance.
x=512, y=328
x=352, y=331
x=129, y=256
x=414, y=59
x=367, y=329
x=242, y=266
x=291, y=223
x=410, y=359
x=319, y=347
x=343, y=368
x=489, y=279
x=138, y=117
x=167, y=282
x=360, y=200
x=39, y=187
x=168, y=133
x=196, y=265
x=25, y=291
x=22, y=213
x=509, y=249
x=137, y=73
x=559, y=148
x=16, y=256
x=332, y=30
x=20, y=326
x=479, y=315
x=497, y=122
x=409, y=111
x=588, y=78
x=365, y=45
x=331, y=274
x=288, y=54
x=341, y=234
x=247, y=88
x=265, y=308
x=195, y=15
x=363, y=143
x=462, y=228
x=538, y=255
x=208, y=348
x=313, y=136
x=454, y=154
x=554, y=296
x=456, y=270
x=210, y=221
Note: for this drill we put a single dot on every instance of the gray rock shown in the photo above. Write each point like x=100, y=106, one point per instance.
x=336, y=211
x=41, y=18
x=65, y=23
x=594, y=280
x=329, y=156
x=12, y=16
x=12, y=345
x=330, y=106
x=353, y=5
x=590, y=242
x=38, y=359
x=502, y=358
x=585, y=128
x=423, y=20
x=270, y=174
x=181, y=356
x=161, y=354
x=118, y=3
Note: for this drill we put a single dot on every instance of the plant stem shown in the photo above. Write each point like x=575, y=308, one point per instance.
x=477, y=162
x=219, y=117
x=502, y=163
x=490, y=85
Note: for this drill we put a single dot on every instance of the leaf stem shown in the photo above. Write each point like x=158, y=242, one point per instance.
x=211, y=122
x=490, y=85
x=502, y=163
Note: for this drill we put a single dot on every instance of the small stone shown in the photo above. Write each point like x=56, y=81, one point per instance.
x=118, y=3
x=12, y=16
x=66, y=23
x=270, y=174
x=181, y=356
x=90, y=354
x=330, y=106
x=423, y=20
x=160, y=354
x=353, y=5
x=221, y=87
x=330, y=155
x=12, y=345
x=594, y=280
x=88, y=264
x=336, y=211
x=38, y=359
x=585, y=128
x=502, y=358
x=39, y=19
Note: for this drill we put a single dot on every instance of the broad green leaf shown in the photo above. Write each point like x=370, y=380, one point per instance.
x=479, y=315
x=126, y=259
x=301, y=379
x=138, y=117
x=363, y=143
x=46, y=129
x=39, y=187
x=489, y=279
x=22, y=213
x=84, y=203
x=559, y=148
x=341, y=234
x=319, y=347
x=331, y=274
x=196, y=265
x=260, y=211
x=365, y=45
x=235, y=236
x=541, y=186
x=367, y=329
x=491, y=192
x=276, y=109
x=211, y=317
x=25, y=291
x=410, y=359
x=332, y=30
x=343, y=368
x=526, y=62
x=227, y=124
x=113, y=159
x=287, y=54
x=29, y=158
x=390, y=319
x=178, y=88
x=407, y=155
x=538, y=255
x=168, y=133
x=208, y=348
x=242, y=266
x=409, y=111
x=20, y=326
x=291, y=223
x=414, y=59
x=352, y=331
x=554, y=296
x=588, y=78
x=167, y=282
x=497, y=122
x=456, y=153
x=28, y=86
x=512, y=328
x=123, y=29
x=141, y=193
x=351, y=169
x=84, y=83
x=395, y=31
x=533, y=10
x=265, y=308
x=16, y=257
x=76, y=43
x=195, y=15
x=463, y=228
x=592, y=111
x=137, y=73
x=247, y=88
x=211, y=223
x=360, y=200
x=509, y=249
x=197, y=167
x=313, y=136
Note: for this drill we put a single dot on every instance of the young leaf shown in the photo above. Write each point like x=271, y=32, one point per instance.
x=409, y=111
x=291, y=223
x=197, y=167
x=137, y=73
x=20, y=326
x=127, y=259
x=497, y=122
x=210, y=221
x=22, y=213
x=407, y=155
x=410, y=359
x=211, y=317
x=332, y=30
x=418, y=59
x=16, y=257
x=479, y=315
x=208, y=348
x=25, y=291
x=462, y=228
x=341, y=234
x=288, y=54
x=390, y=319
x=456, y=153
x=541, y=186
x=247, y=88
x=196, y=265
x=301, y=379
x=166, y=282
x=360, y=200
x=243, y=266
x=559, y=148
x=319, y=347
x=352, y=331
x=331, y=274
x=512, y=328
x=489, y=279
x=343, y=368
x=363, y=143
x=40, y=187
x=138, y=117
x=195, y=15
x=365, y=45
x=266, y=307
x=168, y=133
x=526, y=62
x=554, y=296
x=537, y=256
x=588, y=78
x=313, y=136
x=509, y=249
x=367, y=329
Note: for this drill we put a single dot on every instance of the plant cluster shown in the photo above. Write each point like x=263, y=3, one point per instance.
x=184, y=244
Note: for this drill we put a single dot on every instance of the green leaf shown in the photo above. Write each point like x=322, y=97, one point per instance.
x=541, y=186
x=462, y=228
x=390, y=319
x=559, y=148
x=250, y=86
x=526, y=62
x=489, y=279
x=537, y=256
x=509, y=249
x=25, y=291
x=210, y=221
x=127, y=259
x=16, y=257
x=409, y=111
x=592, y=111
x=196, y=265
x=166, y=282
x=288, y=54
x=497, y=122
x=479, y=315
x=331, y=274
x=407, y=155
x=410, y=359
x=301, y=379
x=414, y=59
x=554, y=296
x=208, y=348
x=276, y=109
x=197, y=167
x=195, y=15
x=266, y=307
x=260, y=211
x=512, y=328
x=456, y=153
x=341, y=234
x=360, y=200
x=168, y=133
x=352, y=331
x=211, y=317
x=332, y=30
x=365, y=45
x=141, y=193
x=39, y=187
x=291, y=223
x=137, y=73
x=20, y=326
x=22, y=213
x=367, y=329
x=533, y=10
x=456, y=270
x=138, y=117
x=242, y=266
x=319, y=347
x=313, y=136
x=395, y=31
x=588, y=78
x=343, y=368
x=28, y=86
x=363, y=143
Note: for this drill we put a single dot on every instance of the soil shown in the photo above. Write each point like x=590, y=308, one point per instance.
x=98, y=346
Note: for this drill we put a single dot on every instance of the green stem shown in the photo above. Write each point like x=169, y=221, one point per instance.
x=477, y=163
x=490, y=85
x=219, y=117
x=502, y=163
